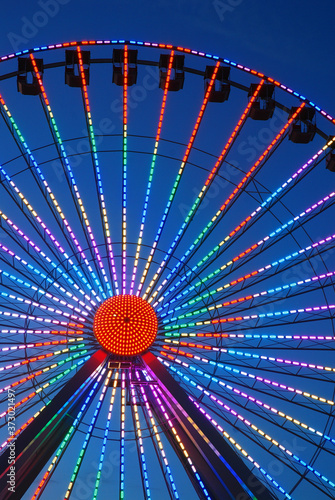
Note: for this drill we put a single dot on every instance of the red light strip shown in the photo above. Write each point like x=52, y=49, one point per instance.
x=176, y=183
x=260, y=159
x=124, y=169
x=217, y=165
x=160, y=122
x=43, y=332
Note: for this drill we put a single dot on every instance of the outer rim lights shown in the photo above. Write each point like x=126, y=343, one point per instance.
x=125, y=325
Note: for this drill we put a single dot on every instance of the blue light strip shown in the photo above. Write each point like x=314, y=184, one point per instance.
x=104, y=442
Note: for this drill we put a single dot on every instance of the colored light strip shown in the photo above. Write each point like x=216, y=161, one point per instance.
x=248, y=355
x=88, y=435
x=29, y=302
x=41, y=332
x=251, y=336
x=159, y=400
x=151, y=173
x=317, y=245
x=18, y=431
x=122, y=433
x=44, y=186
x=39, y=344
x=257, y=401
x=44, y=293
x=36, y=318
x=205, y=55
x=255, y=316
x=31, y=271
x=98, y=178
x=140, y=442
x=69, y=434
x=257, y=378
x=61, y=150
x=253, y=170
x=242, y=451
x=124, y=168
x=21, y=199
x=157, y=437
x=44, y=386
x=176, y=184
x=15, y=229
x=324, y=203
x=39, y=358
x=252, y=426
x=39, y=372
x=208, y=181
x=104, y=442
x=240, y=300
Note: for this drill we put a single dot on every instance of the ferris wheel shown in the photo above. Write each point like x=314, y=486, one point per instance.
x=166, y=278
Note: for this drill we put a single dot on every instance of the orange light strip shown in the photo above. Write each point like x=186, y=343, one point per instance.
x=176, y=184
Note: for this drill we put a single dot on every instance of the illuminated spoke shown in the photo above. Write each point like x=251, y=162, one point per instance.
x=158, y=439
x=139, y=442
x=88, y=435
x=104, y=442
x=179, y=443
x=44, y=481
x=45, y=385
x=272, y=294
x=26, y=269
x=223, y=209
x=272, y=383
x=209, y=180
x=67, y=167
x=269, y=270
x=176, y=184
x=122, y=434
x=280, y=232
x=256, y=429
x=152, y=168
x=43, y=186
x=98, y=179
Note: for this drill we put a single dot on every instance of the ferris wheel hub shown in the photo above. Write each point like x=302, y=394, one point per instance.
x=125, y=325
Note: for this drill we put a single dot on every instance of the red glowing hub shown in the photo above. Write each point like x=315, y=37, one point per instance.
x=125, y=325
